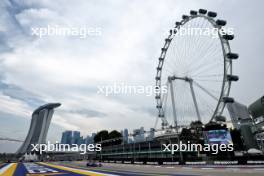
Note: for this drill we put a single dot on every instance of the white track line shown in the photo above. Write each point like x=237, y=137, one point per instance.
x=187, y=168
x=2, y=170
x=207, y=168
x=232, y=169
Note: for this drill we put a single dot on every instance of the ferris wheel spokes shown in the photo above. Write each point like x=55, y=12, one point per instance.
x=197, y=71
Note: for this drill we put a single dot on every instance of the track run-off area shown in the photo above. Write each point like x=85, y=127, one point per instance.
x=79, y=169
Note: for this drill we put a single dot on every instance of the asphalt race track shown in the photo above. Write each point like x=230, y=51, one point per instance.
x=42, y=169
x=79, y=169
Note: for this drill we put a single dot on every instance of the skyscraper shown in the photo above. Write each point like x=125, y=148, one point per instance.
x=241, y=120
x=90, y=139
x=139, y=135
x=72, y=137
x=125, y=135
x=66, y=137
x=256, y=109
x=239, y=114
x=39, y=126
x=151, y=134
x=76, y=135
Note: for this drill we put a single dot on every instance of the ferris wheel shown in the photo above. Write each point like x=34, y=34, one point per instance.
x=195, y=69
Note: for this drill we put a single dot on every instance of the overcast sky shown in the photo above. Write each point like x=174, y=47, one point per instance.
x=34, y=71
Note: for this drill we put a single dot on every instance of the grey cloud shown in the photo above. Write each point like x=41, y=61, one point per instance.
x=18, y=93
x=86, y=113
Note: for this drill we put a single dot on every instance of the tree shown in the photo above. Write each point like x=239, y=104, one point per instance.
x=114, y=134
x=116, y=137
x=186, y=134
x=101, y=136
x=195, y=124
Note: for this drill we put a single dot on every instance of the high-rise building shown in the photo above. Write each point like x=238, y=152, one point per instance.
x=39, y=126
x=93, y=135
x=239, y=114
x=139, y=135
x=81, y=141
x=151, y=134
x=76, y=137
x=241, y=120
x=72, y=137
x=89, y=139
x=256, y=109
x=66, y=137
x=125, y=135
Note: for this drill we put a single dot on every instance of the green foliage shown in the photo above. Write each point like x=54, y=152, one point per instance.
x=101, y=136
x=114, y=134
x=105, y=135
